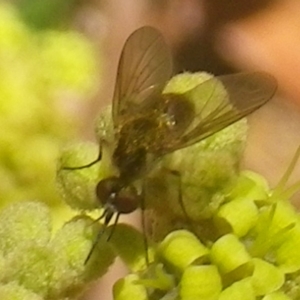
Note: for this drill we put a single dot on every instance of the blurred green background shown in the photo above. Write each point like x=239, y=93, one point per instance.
x=48, y=75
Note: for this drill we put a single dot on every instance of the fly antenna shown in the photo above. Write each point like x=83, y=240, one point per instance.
x=113, y=227
x=107, y=215
x=100, y=233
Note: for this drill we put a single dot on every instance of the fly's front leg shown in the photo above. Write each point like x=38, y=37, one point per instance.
x=91, y=163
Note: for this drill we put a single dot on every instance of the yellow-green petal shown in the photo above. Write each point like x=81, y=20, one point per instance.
x=277, y=296
x=266, y=277
x=129, y=244
x=229, y=254
x=23, y=224
x=71, y=245
x=285, y=215
x=128, y=288
x=250, y=185
x=159, y=278
x=13, y=291
x=240, y=214
x=78, y=186
x=240, y=290
x=200, y=282
x=181, y=248
x=288, y=254
x=32, y=267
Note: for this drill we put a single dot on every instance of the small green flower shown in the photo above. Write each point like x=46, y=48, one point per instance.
x=35, y=263
x=266, y=278
x=200, y=282
x=13, y=291
x=240, y=290
x=128, y=288
x=78, y=186
x=221, y=254
x=241, y=215
x=181, y=248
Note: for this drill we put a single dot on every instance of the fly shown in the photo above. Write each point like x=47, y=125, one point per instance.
x=149, y=124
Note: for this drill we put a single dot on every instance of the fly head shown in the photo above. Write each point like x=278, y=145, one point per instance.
x=117, y=197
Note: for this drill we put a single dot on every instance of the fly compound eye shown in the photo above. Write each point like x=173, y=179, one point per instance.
x=111, y=192
x=108, y=189
x=127, y=200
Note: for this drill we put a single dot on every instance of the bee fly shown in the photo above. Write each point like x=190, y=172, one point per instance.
x=149, y=124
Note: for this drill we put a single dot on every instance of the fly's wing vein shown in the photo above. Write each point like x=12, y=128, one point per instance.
x=221, y=101
x=144, y=67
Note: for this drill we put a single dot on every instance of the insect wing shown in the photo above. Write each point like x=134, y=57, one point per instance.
x=224, y=100
x=144, y=67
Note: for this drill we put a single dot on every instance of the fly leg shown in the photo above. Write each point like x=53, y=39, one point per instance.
x=91, y=163
x=177, y=176
x=143, y=220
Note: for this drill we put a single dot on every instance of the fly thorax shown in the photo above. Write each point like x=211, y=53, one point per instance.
x=138, y=132
x=130, y=163
x=134, y=142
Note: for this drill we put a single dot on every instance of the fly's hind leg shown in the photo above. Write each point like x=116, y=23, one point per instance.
x=91, y=163
x=143, y=220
